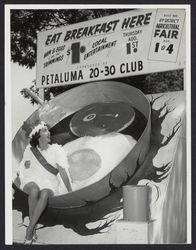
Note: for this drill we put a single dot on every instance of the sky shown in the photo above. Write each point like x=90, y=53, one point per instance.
x=21, y=77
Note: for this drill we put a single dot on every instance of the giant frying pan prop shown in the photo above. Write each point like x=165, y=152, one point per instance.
x=79, y=112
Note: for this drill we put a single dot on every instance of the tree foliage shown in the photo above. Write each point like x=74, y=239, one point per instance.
x=164, y=82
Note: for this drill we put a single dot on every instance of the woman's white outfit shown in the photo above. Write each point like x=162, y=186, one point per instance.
x=31, y=169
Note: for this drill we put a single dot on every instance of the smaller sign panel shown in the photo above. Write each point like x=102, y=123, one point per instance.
x=166, y=36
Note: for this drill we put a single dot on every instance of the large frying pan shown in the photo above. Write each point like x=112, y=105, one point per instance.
x=72, y=101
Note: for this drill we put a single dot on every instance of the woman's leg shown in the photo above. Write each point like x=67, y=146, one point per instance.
x=33, y=194
x=39, y=208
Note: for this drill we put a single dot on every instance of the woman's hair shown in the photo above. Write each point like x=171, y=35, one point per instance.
x=34, y=142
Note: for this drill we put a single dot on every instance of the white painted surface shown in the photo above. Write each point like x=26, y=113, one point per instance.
x=128, y=232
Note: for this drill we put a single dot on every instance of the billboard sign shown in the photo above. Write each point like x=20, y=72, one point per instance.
x=131, y=43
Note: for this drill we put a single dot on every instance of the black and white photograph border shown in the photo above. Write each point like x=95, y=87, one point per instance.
x=144, y=197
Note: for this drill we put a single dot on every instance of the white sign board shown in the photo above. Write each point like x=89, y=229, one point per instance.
x=131, y=43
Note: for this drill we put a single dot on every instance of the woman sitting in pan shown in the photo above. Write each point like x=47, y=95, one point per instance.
x=50, y=169
x=39, y=172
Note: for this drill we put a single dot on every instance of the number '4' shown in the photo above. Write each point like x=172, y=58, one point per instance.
x=170, y=48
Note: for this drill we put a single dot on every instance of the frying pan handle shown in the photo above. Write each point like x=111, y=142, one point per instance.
x=35, y=97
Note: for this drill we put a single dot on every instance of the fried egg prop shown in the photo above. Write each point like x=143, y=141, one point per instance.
x=91, y=158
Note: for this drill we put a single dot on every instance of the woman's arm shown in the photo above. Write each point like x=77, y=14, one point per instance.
x=64, y=177
x=63, y=166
